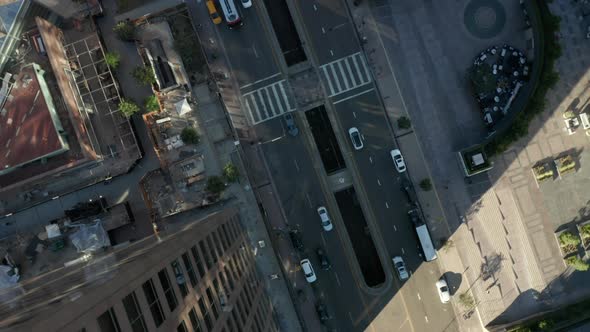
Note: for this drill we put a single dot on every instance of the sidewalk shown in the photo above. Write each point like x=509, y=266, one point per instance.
x=449, y=258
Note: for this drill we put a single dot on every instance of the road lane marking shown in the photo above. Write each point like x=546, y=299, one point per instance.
x=426, y=317
x=255, y=52
x=337, y=279
x=354, y=114
x=370, y=159
x=315, y=8
x=296, y=165
x=419, y=298
x=363, y=137
x=308, y=200
x=323, y=239
x=261, y=80
x=350, y=316
x=323, y=30
x=332, y=52
x=378, y=182
x=353, y=96
x=394, y=228
x=403, y=251
x=387, y=205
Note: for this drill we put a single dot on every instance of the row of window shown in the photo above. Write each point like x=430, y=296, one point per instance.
x=218, y=242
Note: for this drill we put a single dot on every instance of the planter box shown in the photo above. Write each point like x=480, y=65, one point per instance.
x=585, y=238
x=543, y=172
x=565, y=165
x=567, y=250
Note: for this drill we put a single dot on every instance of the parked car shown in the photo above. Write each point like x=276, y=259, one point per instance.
x=213, y=12
x=324, y=261
x=322, y=311
x=308, y=271
x=296, y=240
x=400, y=267
x=398, y=160
x=246, y=3
x=325, y=218
x=409, y=191
x=356, y=138
x=291, y=126
x=443, y=290
x=414, y=215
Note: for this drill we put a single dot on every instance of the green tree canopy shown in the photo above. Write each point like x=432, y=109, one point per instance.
x=112, y=59
x=231, y=172
x=125, y=30
x=190, y=136
x=215, y=185
x=144, y=75
x=128, y=107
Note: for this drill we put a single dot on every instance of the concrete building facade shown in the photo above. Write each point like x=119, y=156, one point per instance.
x=193, y=276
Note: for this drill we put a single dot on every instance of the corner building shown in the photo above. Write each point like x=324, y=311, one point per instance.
x=197, y=276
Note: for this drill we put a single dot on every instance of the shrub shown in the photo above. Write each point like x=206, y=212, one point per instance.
x=546, y=324
x=577, y=263
x=568, y=239
x=404, y=123
x=231, y=172
x=125, y=30
x=144, y=75
x=215, y=185
x=151, y=104
x=112, y=59
x=426, y=185
x=128, y=107
x=467, y=300
x=190, y=136
x=585, y=230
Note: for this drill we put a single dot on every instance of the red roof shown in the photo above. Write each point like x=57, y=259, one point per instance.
x=27, y=131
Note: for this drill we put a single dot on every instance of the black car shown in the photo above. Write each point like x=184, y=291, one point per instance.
x=296, y=240
x=415, y=217
x=322, y=312
x=409, y=191
x=324, y=261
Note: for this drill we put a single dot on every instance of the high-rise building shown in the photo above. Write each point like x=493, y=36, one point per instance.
x=197, y=275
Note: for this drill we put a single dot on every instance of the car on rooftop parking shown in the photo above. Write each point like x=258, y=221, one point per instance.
x=291, y=126
x=325, y=218
x=356, y=138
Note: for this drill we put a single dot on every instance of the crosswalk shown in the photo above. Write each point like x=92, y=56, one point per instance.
x=345, y=74
x=268, y=102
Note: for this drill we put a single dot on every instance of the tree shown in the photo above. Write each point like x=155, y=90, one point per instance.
x=128, y=107
x=215, y=185
x=112, y=59
x=151, y=104
x=467, y=301
x=577, y=263
x=125, y=30
x=568, y=239
x=404, y=122
x=231, y=172
x=426, y=185
x=144, y=75
x=190, y=136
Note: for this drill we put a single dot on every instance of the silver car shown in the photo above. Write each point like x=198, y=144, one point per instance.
x=356, y=138
x=398, y=160
x=400, y=267
x=325, y=218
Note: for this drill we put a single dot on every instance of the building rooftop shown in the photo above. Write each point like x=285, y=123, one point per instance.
x=29, y=126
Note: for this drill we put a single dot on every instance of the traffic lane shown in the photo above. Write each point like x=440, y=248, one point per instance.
x=328, y=24
x=426, y=310
x=247, y=47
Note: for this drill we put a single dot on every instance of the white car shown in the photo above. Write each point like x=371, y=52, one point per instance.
x=356, y=138
x=308, y=271
x=246, y=3
x=443, y=290
x=400, y=267
x=325, y=218
x=398, y=160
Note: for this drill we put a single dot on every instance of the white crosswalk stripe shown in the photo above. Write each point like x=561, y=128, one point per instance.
x=345, y=74
x=267, y=102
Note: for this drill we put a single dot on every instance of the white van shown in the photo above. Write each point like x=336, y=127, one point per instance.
x=232, y=17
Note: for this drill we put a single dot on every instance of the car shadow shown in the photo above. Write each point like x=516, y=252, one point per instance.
x=453, y=281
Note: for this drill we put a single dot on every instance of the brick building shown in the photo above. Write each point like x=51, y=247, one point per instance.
x=198, y=275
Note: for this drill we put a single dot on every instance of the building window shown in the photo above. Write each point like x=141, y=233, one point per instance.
x=211, y=248
x=153, y=302
x=236, y=320
x=205, y=314
x=226, y=235
x=222, y=239
x=189, y=269
x=134, y=313
x=182, y=327
x=192, y=315
x=218, y=244
x=212, y=303
x=198, y=260
x=223, y=283
x=107, y=322
x=208, y=261
x=235, y=264
x=241, y=310
x=230, y=280
x=180, y=280
x=168, y=290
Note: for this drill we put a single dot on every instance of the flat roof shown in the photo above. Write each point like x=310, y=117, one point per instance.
x=28, y=122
